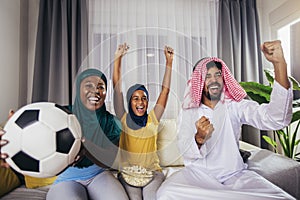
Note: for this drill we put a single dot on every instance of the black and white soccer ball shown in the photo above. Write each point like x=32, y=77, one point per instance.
x=44, y=139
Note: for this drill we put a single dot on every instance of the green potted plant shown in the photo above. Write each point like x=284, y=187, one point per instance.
x=287, y=136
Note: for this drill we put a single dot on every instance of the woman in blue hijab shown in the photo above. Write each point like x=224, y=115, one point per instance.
x=101, y=133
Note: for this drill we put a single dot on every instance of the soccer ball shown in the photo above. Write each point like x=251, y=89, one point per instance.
x=44, y=139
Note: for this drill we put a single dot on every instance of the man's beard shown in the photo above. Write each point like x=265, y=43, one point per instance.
x=212, y=97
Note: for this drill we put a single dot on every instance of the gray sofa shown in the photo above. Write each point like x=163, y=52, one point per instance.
x=278, y=169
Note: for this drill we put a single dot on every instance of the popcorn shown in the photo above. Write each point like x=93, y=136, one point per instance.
x=137, y=176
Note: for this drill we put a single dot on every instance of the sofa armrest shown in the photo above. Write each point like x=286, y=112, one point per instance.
x=278, y=169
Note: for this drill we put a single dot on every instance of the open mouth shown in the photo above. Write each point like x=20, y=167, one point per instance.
x=140, y=109
x=214, y=88
x=94, y=100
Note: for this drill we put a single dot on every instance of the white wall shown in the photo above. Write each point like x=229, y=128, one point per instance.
x=265, y=7
x=274, y=14
x=9, y=56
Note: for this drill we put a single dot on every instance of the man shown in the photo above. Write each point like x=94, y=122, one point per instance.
x=214, y=110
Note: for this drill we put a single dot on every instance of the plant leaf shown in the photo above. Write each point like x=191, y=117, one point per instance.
x=289, y=145
x=293, y=141
x=257, y=92
x=296, y=103
x=270, y=77
x=296, y=85
x=280, y=134
x=270, y=141
x=296, y=116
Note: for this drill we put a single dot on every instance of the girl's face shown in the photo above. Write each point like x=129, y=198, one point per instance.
x=92, y=92
x=139, y=102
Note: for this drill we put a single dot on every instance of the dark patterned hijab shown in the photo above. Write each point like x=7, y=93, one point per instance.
x=133, y=121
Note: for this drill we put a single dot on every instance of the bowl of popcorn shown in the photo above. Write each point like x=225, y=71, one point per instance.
x=136, y=176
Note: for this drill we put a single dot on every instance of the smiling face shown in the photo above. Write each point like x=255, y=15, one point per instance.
x=139, y=102
x=92, y=92
x=213, y=86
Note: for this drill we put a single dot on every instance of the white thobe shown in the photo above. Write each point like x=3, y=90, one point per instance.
x=217, y=169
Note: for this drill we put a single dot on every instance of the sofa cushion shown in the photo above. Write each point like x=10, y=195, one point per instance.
x=24, y=193
x=9, y=180
x=280, y=170
x=168, y=151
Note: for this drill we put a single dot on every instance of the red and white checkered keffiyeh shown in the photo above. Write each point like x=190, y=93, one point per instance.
x=193, y=93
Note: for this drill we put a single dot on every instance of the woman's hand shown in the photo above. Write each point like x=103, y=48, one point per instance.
x=3, y=156
x=121, y=50
x=169, y=53
x=3, y=163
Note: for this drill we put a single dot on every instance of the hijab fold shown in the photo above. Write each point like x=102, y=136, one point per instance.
x=98, y=127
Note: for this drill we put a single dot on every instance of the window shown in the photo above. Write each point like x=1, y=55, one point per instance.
x=289, y=34
x=290, y=38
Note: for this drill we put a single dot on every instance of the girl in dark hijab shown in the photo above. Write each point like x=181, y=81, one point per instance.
x=138, y=138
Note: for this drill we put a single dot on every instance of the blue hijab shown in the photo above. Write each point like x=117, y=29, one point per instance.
x=99, y=127
x=133, y=121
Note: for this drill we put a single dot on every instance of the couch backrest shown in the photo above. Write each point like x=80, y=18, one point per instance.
x=168, y=151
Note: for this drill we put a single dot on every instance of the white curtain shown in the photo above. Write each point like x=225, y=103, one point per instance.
x=189, y=26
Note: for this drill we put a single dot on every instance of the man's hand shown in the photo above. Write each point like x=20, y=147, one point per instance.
x=273, y=51
x=204, y=130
